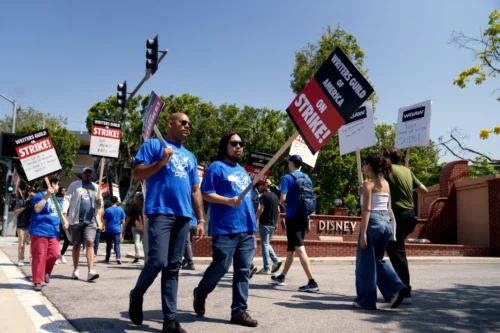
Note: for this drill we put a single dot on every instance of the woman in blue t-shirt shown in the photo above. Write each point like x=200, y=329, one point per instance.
x=44, y=233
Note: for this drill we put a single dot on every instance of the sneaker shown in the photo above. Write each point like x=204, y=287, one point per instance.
x=253, y=270
x=118, y=261
x=244, y=319
x=356, y=305
x=172, y=326
x=75, y=275
x=62, y=260
x=397, y=298
x=47, y=278
x=57, y=262
x=264, y=271
x=38, y=287
x=276, y=266
x=407, y=301
x=93, y=275
x=136, y=260
x=188, y=267
x=198, y=304
x=20, y=263
x=311, y=286
x=278, y=280
x=135, y=310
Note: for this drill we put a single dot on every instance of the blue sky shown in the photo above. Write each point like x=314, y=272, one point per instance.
x=63, y=56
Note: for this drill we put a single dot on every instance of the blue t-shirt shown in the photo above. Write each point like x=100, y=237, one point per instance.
x=169, y=190
x=46, y=223
x=228, y=180
x=114, y=216
x=288, y=186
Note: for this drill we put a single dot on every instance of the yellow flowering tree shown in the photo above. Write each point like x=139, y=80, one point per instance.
x=487, y=52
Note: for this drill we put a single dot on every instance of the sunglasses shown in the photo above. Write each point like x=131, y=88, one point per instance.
x=186, y=123
x=236, y=143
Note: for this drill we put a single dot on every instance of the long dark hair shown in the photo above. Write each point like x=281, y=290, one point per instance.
x=392, y=153
x=222, y=152
x=379, y=164
x=52, y=180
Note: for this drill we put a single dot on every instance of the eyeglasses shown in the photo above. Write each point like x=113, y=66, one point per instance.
x=185, y=122
x=236, y=143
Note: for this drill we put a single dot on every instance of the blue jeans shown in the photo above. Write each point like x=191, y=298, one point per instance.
x=166, y=240
x=266, y=232
x=238, y=248
x=96, y=241
x=110, y=238
x=371, y=269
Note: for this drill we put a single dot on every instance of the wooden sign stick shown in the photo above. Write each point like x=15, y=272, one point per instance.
x=358, y=163
x=53, y=196
x=407, y=157
x=101, y=173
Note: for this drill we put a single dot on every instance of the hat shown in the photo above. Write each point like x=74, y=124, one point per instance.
x=87, y=169
x=296, y=159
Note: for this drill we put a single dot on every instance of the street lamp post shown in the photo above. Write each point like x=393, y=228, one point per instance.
x=9, y=169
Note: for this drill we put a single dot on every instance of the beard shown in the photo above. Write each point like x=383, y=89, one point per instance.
x=234, y=159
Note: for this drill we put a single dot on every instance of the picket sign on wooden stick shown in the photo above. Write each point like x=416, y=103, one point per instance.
x=158, y=134
x=101, y=173
x=269, y=164
x=53, y=196
x=358, y=163
x=407, y=157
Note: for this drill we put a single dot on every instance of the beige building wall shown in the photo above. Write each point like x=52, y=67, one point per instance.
x=424, y=200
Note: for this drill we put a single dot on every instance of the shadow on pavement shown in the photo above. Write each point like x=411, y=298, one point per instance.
x=15, y=286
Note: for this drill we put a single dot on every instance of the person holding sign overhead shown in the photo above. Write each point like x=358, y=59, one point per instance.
x=44, y=232
x=172, y=193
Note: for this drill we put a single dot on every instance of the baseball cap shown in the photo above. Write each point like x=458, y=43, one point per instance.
x=296, y=159
x=87, y=169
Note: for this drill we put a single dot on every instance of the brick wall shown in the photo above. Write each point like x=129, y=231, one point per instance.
x=494, y=211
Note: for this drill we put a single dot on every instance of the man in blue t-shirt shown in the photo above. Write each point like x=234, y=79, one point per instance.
x=232, y=226
x=114, y=220
x=296, y=226
x=172, y=194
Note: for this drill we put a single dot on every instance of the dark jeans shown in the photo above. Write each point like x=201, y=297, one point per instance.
x=188, y=251
x=110, y=238
x=65, y=234
x=166, y=237
x=96, y=241
x=238, y=248
x=405, y=224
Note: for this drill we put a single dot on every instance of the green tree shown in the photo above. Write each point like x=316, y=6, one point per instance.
x=486, y=49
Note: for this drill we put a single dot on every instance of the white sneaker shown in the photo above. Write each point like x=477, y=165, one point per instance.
x=57, y=262
x=93, y=275
x=62, y=259
x=75, y=275
x=20, y=263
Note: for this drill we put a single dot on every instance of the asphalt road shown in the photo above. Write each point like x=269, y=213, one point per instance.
x=446, y=298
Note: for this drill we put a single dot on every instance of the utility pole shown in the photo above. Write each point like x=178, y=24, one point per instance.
x=9, y=170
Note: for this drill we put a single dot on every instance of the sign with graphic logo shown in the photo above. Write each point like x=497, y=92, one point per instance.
x=300, y=148
x=153, y=110
x=329, y=99
x=105, y=138
x=116, y=191
x=255, y=163
x=413, y=126
x=359, y=130
x=105, y=187
x=37, y=154
x=201, y=172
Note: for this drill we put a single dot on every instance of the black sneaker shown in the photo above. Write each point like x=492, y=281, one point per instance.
x=135, y=310
x=253, y=270
x=198, y=304
x=188, y=267
x=278, y=280
x=136, y=260
x=172, y=326
x=397, y=298
x=118, y=261
x=244, y=319
x=309, y=287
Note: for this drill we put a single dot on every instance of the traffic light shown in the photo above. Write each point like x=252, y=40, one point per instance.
x=152, y=54
x=10, y=188
x=122, y=95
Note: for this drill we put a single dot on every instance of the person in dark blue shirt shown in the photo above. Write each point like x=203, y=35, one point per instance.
x=232, y=227
x=172, y=194
x=296, y=226
x=114, y=220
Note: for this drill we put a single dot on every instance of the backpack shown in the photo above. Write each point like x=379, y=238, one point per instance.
x=306, y=201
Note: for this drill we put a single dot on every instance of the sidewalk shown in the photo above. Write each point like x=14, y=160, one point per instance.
x=21, y=308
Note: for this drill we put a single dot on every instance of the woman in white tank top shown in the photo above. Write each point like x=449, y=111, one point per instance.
x=376, y=230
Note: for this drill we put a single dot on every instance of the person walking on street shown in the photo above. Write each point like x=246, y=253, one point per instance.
x=267, y=216
x=44, y=232
x=114, y=219
x=232, y=227
x=23, y=211
x=136, y=221
x=376, y=230
x=296, y=223
x=64, y=233
x=187, y=263
x=402, y=183
x=172, y=193
x=80, y=207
